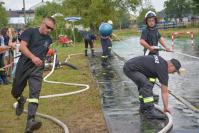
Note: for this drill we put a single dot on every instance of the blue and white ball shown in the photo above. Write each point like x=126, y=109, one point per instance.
x=105, y=29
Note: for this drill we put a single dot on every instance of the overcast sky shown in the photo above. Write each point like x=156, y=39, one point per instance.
x=158, y=4
x=18, y=4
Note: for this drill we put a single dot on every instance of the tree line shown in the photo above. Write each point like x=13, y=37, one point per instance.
x=93, y=12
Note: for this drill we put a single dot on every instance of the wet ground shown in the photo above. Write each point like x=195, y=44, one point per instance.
x=119, y=101
x=119, y=94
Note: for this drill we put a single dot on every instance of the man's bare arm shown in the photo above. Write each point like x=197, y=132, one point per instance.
x=165, y=97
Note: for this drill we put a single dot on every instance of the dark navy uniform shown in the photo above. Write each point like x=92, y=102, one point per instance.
x=27, y=71
x=88, y=41
x=140, y=69
x=151, y=36
x=106, y=49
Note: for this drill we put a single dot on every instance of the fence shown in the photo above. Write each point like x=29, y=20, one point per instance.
x=194, y=22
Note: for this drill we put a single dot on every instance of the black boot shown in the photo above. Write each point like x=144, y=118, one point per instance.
x=104, y=62
x=32, y=125
x=86, y=53
x=141, y=103
x=141, y=107
x=152, y=113
x=20, y=106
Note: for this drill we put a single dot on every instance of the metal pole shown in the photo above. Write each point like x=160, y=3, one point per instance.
x=73, y=31
x=24, y=11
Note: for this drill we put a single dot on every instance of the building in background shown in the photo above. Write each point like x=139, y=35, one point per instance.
x=16, y=17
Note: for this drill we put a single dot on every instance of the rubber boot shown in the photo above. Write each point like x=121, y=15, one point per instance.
x=32, y=125
x=104, y=62
x=86, y=53
x=152, y=113
x=141, y=109
x=20, y=105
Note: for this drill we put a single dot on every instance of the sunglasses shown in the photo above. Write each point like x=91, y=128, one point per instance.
x=48, y=27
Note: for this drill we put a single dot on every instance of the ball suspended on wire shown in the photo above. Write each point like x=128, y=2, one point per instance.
x=105, y=29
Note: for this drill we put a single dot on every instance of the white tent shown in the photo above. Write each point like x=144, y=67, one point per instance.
x=73, y=20
x=16, y=20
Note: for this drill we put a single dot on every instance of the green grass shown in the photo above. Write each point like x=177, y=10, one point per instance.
x=81, y=112
x=126, y=32
x=167, y=33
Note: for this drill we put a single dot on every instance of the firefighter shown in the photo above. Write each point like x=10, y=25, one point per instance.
x=34, y=46
x=106, y=41
x=89, y=40
x=140, y=69
x=151, y=36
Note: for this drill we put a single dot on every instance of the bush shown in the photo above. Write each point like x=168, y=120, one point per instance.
x=61, y=31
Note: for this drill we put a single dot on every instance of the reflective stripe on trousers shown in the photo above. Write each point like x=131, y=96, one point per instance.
x=148, y=99
x=33, y=100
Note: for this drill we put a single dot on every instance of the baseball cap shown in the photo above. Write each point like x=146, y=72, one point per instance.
x=176, y=64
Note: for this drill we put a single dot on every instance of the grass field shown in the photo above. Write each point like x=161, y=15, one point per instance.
x=166, y=33
x=81, y=112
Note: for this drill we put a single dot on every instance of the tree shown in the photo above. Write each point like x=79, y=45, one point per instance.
x=177, y=8
x=3, y=17
x=195, y=6
x=47, y=10
x=143, y=11
x=93, y=12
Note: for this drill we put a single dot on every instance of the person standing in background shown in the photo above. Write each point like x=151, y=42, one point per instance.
x=8, y=55
x=2, y=70
x=89, y=39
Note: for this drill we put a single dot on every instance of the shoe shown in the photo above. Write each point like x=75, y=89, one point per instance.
x=153, y=114
x=32, y=125
x=20, y=106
